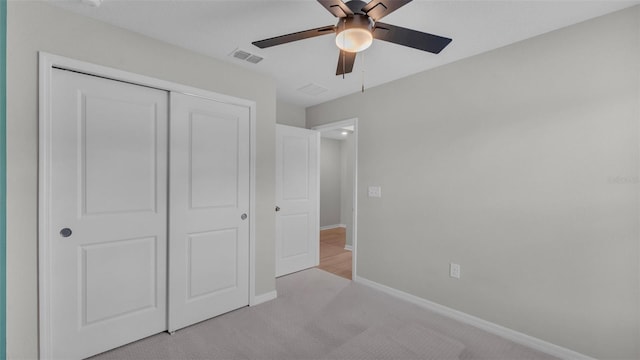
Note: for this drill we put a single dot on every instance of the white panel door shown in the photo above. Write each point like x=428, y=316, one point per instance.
x=209, y=202
x=297, y=193
x=108, y=186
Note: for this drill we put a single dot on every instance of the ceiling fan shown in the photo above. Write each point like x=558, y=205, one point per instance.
x=357, y=26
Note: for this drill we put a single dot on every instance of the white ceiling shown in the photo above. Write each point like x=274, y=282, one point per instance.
x=216, y=27
x=337, y=134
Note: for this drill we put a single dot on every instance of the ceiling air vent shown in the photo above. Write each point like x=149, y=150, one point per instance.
x=312, y=89
x=246, y=56
x=254, y=59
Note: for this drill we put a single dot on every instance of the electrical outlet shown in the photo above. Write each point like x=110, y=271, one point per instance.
x=454, y=270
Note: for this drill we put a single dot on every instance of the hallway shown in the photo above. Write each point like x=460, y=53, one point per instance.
x=333, y=256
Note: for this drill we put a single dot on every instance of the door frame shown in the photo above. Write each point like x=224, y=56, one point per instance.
x=3, y=179
x=334, y=126
x=47, y=62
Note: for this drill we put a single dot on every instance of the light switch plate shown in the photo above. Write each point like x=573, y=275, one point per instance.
x=375, y=191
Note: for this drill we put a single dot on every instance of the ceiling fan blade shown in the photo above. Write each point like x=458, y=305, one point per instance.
x=300, y=35
x=377, y=9
x=345, y=62
x=336, y=7
x=411, y=38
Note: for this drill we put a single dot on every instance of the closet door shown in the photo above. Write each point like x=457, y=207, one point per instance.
x=107, y=158
x=209, y=204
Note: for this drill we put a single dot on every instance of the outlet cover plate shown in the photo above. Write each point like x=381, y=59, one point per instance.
x=454, y=270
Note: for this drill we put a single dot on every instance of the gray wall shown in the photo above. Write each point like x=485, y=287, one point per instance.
x=347, y=172
x=34, y=26
x=289, y=114
x=520, y=164
x=330, y=176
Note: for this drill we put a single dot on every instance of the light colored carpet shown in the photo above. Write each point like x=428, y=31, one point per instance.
x=318, y=315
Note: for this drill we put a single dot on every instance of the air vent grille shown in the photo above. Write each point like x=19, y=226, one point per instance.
x=312, y=89
x=246, y=56
x=242, y=55
x=254, y=59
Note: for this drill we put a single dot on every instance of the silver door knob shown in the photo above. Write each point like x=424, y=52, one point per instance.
x=66, y=232
x=243, y=216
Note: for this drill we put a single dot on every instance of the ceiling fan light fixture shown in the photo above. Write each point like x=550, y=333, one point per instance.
x=354, y=39
x=353, y=33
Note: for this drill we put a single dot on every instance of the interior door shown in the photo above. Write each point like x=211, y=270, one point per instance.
x=108, y=159
x=297, y=199
x=209, y=197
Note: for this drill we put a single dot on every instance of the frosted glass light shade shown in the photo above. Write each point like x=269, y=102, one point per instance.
x=354, y=39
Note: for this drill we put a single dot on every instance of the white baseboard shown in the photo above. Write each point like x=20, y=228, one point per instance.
x=333, y=226
x=509, y=334
x=348, y=247
x=263, y=298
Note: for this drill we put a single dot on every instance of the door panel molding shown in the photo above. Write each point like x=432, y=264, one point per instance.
x=47, y=63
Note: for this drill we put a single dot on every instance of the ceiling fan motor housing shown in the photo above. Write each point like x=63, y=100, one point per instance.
x=356, y=6
x=356, y=21
x=353, y=33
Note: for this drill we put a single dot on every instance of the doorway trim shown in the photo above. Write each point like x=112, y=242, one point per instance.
x=47, y=62
x=334, y=126
x=3, y=179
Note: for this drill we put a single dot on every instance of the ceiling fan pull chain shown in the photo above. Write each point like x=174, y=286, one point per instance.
x=363, y=68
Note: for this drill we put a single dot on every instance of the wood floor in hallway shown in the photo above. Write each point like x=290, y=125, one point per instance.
x=333, y=257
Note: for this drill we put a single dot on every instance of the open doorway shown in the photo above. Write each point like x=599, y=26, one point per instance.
x=338, y=181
